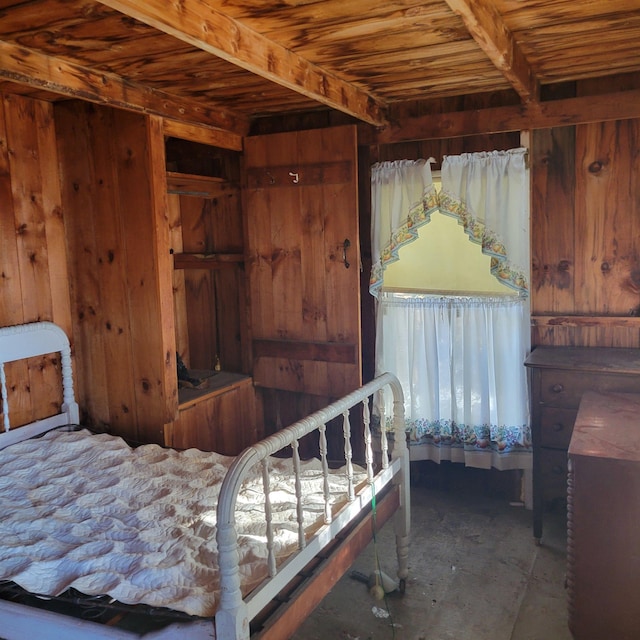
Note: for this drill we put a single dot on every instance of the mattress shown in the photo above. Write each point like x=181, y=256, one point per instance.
x=138, y=524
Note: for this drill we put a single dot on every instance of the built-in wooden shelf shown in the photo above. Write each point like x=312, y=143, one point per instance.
x=219, y=382
x=194, y=185
x=220, y=418
x=206, y=260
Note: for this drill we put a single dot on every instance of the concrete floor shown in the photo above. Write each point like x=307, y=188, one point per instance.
x=475, y=571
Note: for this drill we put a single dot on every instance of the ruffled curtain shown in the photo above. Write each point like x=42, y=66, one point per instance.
x=488, y=193
x=460, y=359
x=402, y=199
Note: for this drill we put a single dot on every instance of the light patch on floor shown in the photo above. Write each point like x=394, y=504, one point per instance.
x=475, y=574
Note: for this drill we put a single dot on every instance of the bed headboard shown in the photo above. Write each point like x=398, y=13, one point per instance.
x=27, y=341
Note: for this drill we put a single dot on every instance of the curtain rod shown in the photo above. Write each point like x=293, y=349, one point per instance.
x=446, y=292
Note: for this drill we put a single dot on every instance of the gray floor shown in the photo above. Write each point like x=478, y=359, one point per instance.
x=475, y=571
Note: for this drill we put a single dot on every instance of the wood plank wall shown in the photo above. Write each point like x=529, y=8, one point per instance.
x=585, y=245
x=585, y=235
x=34, y=280
x=121, y=277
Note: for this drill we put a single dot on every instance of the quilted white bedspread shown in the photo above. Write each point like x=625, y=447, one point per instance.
x=89, y=512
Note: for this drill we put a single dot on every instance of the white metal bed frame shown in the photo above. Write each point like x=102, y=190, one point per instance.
x=233, y=617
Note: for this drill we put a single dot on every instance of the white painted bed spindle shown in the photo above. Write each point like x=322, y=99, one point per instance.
x=268, y=516
x=368, y=451
x=325, y=473
x=348, y=455
x=295, y=445
x=384, y=445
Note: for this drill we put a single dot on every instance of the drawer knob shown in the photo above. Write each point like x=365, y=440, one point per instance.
x=557, y=388
x=557, y=426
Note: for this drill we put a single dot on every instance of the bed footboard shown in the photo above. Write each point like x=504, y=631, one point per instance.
x=234, y=614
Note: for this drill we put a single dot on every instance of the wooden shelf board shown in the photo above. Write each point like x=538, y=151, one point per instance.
x=206, y=261
x=220, y=382
x=194, y=185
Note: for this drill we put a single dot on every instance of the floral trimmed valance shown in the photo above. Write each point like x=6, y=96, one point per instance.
x=403, y=198
x=488, y=193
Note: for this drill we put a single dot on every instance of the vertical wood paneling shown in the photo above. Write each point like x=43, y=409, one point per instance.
x=112, y=319
x=230, y=317
x=201, y=318
x=340, y=284
x=160, y=238
x=118, y=237
x=596, y=161
x=78, y=182
x=591, y=210
x=53, y=218
x=26, y=183
x=611, y=264
x=137, y=214
x=552, y=220
x=34, y=283
x=286, y=236
x=231, y=308
x=258, y=256
x=10, y=291
x=213, y=306
x=199, y=284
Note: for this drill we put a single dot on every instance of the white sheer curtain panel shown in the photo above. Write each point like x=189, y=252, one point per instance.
x=460, y=362
x=402, y=200
x=460, y=359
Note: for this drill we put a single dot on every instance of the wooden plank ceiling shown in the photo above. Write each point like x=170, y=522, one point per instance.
x=224, y=63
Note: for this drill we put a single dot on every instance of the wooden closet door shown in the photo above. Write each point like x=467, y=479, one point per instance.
x=301, y=206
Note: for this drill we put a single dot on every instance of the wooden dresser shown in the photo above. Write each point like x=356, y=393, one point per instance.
x=603, y=518
x=559, y=376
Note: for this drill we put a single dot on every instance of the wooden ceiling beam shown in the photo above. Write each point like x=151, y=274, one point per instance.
x=209, y=29
x=621, y=105
x=32, y=68
x=486, y=27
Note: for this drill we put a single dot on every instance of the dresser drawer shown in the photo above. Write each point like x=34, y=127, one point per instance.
x=565, y=388
x=556, y=425
x=553, y=469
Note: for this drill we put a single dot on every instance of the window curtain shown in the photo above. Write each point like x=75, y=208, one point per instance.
x=460, y=359
x=402, y=200
x=488, y=193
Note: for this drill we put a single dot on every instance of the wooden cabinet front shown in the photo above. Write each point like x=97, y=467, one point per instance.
x=603, y=549
x=223, y=419
x=559, y=378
